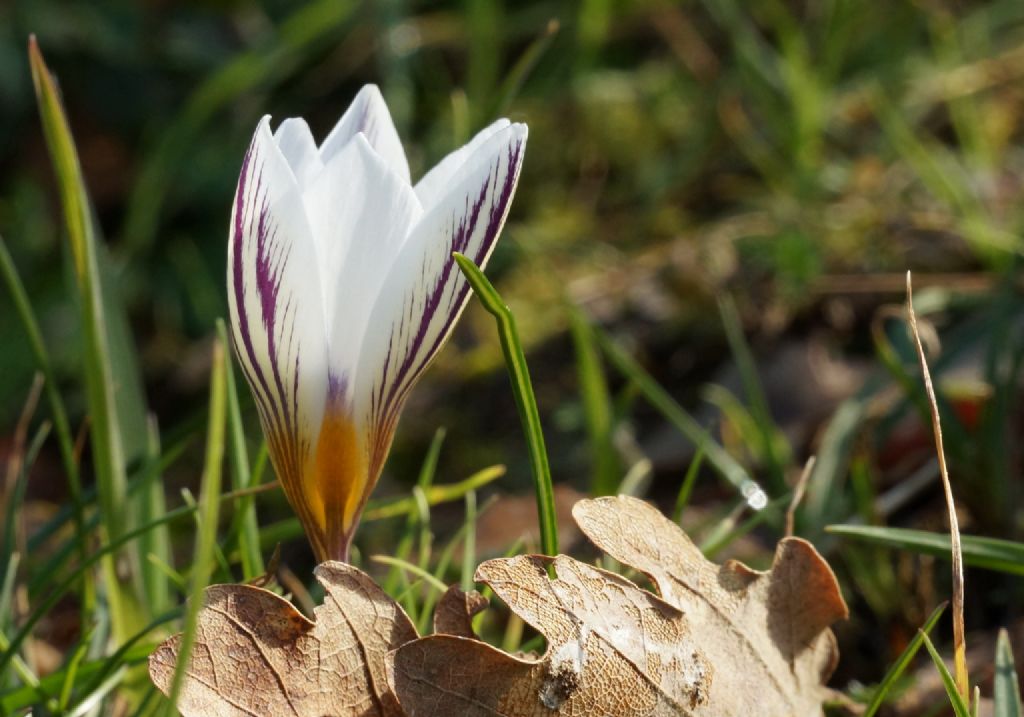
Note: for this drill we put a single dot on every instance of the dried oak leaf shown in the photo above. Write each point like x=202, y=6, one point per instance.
x=766, y=633
x=722, y=640
x=613, y=649
x=255, y=654
x=455, y=611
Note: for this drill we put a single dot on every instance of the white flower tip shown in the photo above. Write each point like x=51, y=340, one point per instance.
x=263, y=126
x=369, y=91
x=292, y=126
x=520, y=130
x=361, y=144
x=517, y=130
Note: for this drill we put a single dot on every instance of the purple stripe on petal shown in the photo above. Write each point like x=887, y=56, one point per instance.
x=448, y=294
x=258, y=230
x=459, y=239
x=238, y=271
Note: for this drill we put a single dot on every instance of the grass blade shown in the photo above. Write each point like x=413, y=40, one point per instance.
x=408, y=567
x=955, y=700
x=156, y=543
x=683, y=497
x=71, y=671
x=597, y=406
x=718, y=457
x=209, y=503
x=23, y=698
x=525, y=65
x=728, y=530
x=1005, y=556
x=1006, y=686
x=526, y=402
x=769, y=435
x=58, y=591
x=959, y=643
x=897, y=668
x=12, y=486
x=12, y=500
x=245, y=525
x=62, y=426
x=419, y=513
x=825, y=490
x=434, y=494
x=469, y=544
x=28, y=677
x=106, y=439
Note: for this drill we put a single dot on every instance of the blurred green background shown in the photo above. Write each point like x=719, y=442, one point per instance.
x=715, y=183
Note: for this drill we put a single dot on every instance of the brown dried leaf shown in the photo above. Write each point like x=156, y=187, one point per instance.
x=455, y=611
x=767, y=631
x=725, y=640
x=614, y=649
x=255, y=654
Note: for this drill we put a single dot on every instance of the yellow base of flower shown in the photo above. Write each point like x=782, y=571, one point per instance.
x=334, y=483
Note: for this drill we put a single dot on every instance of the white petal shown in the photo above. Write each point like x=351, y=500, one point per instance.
x=274, y=301
x=368, y=114
x=296, y=144
x=436, y=182
x=360, y=214
x=425, y=292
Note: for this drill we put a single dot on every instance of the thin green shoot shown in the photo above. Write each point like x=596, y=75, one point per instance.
x=412, y=569
x=659, y=398
x=469, y=543
x=71, y=671
x=156, y=543
x=526, y=402
x=897, y=668
x=208, y=510
x=524, y=66
x=244, y=524
x=597, y=405
x=289, y=528
x=419, y=512
x=686, y=488
x=952, y=691
x=729, y=530
x=744, y=358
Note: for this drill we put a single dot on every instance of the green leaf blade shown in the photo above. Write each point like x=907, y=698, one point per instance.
x=1004, y=556
x=896, y=670
x=100, y=379
x=526, y=402
x=1006, y=685
x=955, y=700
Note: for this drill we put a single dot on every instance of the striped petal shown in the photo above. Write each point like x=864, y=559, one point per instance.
x=368, y=114
x=425, y=292
x=276, y=317
x=296, y=143
x=360, y=213
x=435, y=183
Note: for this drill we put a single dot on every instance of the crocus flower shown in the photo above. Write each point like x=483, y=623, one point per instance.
x=342, y=289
